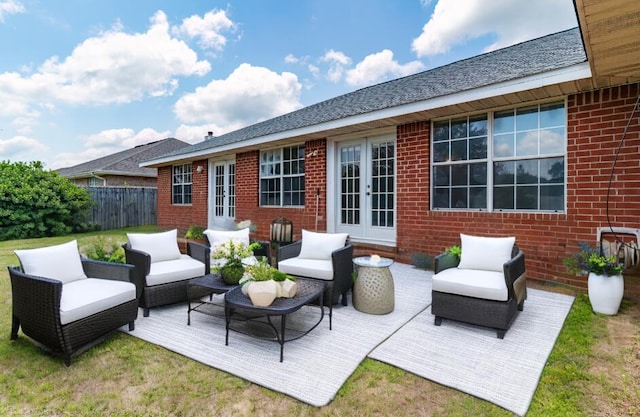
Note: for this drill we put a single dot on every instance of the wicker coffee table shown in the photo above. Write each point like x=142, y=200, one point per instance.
x=273, y=317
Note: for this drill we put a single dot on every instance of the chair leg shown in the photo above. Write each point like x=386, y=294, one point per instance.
x=438, y=321
x=132, y=326
x=521, y=306
x=15, y=325
x=145, y=312
x=344, y=298
x=500, y=333
x=67, y=359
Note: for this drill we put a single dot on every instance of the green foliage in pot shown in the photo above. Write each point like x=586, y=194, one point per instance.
x=262, y=271
x=454, y=250
x=195, y=232
x=104, y=249
x=588, y=259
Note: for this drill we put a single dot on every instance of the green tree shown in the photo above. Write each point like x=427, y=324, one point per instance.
x=35, y=202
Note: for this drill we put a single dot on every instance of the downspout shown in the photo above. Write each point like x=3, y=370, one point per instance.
x=104, y=180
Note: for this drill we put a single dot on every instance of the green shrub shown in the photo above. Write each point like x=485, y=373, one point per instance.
x=104, y=249
x=38, y=203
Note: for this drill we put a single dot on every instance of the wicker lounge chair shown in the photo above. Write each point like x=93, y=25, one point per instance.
x=485, y=291
x=323, y=256
x=76, y=305
x=160, y=268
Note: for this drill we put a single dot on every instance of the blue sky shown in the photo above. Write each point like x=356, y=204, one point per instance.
x=80, y=79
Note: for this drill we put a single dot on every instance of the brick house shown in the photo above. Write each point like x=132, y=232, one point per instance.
x=122, y=169
x=520, y=141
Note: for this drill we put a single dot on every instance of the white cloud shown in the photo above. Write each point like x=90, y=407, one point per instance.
x=291, y=59
x=20, y=147
x=250, y=94
x=208, y=29
x=10, y=7
x=378, y=67
x=123, y=138
x=114, y=67
x=337, y=62
x=454, y=22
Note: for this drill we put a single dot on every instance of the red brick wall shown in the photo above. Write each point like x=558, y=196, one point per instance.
x=596, y=121
x=177, y=216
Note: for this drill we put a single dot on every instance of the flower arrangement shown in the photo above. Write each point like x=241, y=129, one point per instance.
x=231, y=254
x=588, y=259
x=262, y=271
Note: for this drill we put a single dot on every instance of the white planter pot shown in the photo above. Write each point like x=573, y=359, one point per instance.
x=605, y=293
x=288, y=288
x=262, y=293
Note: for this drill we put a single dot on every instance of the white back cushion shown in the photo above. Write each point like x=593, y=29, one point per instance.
x=320, y=245
x=160, y=246
x=485, y=253
x=61, y=262
x=218, y=237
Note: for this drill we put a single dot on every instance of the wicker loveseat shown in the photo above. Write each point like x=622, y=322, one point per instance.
x=160, y=268
x=69, y=304
x=485, y=287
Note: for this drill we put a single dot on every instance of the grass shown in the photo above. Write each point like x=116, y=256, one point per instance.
x=126, y=376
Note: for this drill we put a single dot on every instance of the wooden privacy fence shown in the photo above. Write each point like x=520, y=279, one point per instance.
x=117, y=207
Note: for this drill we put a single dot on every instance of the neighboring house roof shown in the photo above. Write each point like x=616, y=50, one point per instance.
x=538, y=56
x=126, y=162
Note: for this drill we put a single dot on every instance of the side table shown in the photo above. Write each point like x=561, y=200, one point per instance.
x=373, y=291
x=201, y=287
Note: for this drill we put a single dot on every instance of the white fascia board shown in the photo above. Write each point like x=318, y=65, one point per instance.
x=572, y=73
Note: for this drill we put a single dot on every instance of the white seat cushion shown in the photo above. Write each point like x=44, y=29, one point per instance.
x=320, y=245
x=160, y=246
x=174, y=270
x=312, y=268
x=82, y=298
x=485, y=253
x=60, y=262
x=487, y=285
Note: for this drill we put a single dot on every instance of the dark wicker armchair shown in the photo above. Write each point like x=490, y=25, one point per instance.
x=171, y=292
x=497, y=314
x=36, y=309
x=340, y=281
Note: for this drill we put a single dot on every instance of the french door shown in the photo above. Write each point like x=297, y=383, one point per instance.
x=366, y=189
x=222, y=194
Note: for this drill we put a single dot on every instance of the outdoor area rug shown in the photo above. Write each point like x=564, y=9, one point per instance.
x=473, y=360
x=315, y=366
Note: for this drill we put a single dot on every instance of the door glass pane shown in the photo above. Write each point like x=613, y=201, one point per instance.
x=350, y=182
x=382, y=197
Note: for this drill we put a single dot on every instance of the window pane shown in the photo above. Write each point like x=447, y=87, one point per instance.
x=441, y=152
x=441, y=198
x=552, y=197
x=527, y=143
x=503, y=145
x=441, y=175
x=478, y=148
x=459, y=150
x=459, y=175
x=552, y=140
x=478, y=197
x=459, y=198
x=503, y=173
x=441, y=131
x=478, y=125
x=503, y=122
x=527, y=119
x=478, y=174
x=527, y=172
x=552, y=115
x=527, y=197
x=503, y=198
x=459, y=128
x=552, y=170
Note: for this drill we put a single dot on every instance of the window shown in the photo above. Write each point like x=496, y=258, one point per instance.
x=95, y=182
x=507, y=160
x=181, y=184
x=282, y=177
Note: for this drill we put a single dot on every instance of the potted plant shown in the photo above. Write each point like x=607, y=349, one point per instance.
x=264, y=283
x=605, y=280
x=231, y=255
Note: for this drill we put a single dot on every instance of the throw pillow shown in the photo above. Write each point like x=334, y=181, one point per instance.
x=160, y=246
x=320, y=245
x=61, y=262
x=485, y=253
x=218, y=237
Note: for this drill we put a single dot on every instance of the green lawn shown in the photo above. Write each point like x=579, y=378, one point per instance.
x=128, y=377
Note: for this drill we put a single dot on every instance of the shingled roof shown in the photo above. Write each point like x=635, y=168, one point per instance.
x=126, y=162
x=551, y=52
